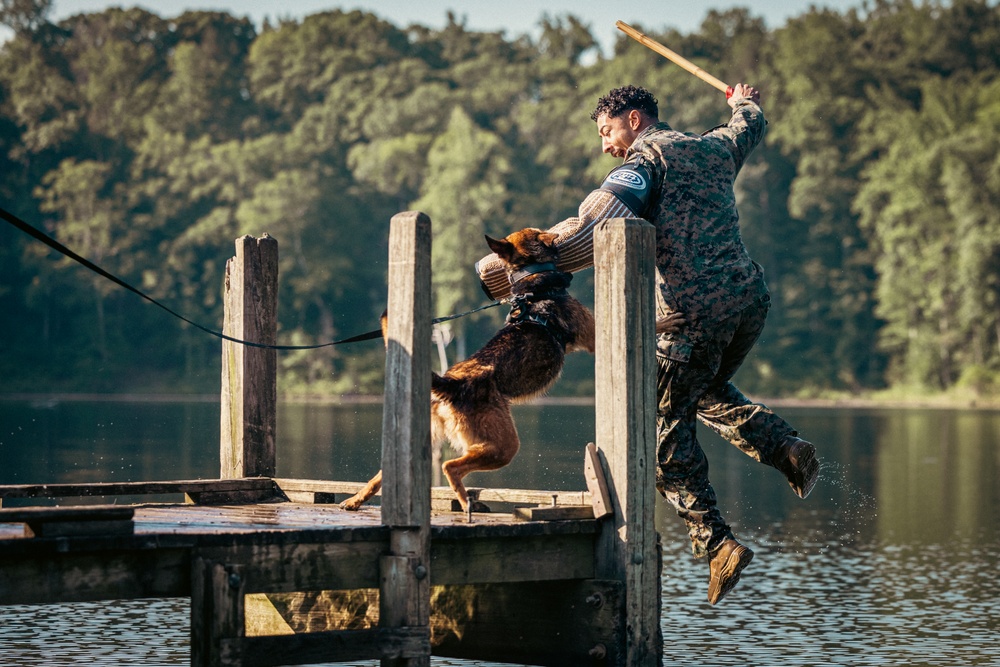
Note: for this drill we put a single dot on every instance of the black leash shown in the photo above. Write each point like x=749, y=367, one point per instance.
x=59, y=247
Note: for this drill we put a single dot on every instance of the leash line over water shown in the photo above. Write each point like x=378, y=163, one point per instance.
x=42, y=237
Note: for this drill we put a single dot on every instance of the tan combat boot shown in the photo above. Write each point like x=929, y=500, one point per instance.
x=727, y=562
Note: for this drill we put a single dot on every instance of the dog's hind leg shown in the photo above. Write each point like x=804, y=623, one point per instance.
x=491, y=443
x=359, y=498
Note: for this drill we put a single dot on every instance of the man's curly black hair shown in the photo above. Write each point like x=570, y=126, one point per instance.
x=626, y=98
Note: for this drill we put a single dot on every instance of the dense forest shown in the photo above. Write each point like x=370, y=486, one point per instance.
x=148, y=144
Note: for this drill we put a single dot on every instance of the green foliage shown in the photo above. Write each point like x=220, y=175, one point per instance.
x=148, y=144
x=464, y=190
x=929, y=203
x=24, y=16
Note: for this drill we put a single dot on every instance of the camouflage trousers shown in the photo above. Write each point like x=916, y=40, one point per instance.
x=693, y=383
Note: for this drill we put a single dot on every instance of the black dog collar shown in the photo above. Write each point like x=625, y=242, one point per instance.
x=526, y=271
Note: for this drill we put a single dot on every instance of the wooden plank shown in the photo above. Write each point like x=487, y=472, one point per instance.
x=554, y=513
x=527, y=496
x=493, y=526
x=252, y=484
x=506, y=560
x=47, y=577
x=315, y=497
x=317, y=486
x=439, y=493
x=305, y=567
x=249, y=374
x=625, y=400
x=41, y=515
x=246, y=496
x=258, y=525
x=330, y=646
x=593, y=471
x=78, y=528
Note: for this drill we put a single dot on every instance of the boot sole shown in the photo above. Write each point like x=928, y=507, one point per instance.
x=730, y=576
x=807, y=472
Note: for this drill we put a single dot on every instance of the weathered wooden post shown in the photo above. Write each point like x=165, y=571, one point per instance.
x=406, y=448
x=249, y=374
x=626, y=425
x=217, y=613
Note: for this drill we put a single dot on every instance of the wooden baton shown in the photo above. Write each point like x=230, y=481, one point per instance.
x=674, y=57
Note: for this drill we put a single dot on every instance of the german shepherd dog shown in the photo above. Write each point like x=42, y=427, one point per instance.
x=470, y=403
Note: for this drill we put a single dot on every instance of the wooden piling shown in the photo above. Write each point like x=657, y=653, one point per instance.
x=217, y=613
x=249, y=374
x=625, y=398
x=406, y=447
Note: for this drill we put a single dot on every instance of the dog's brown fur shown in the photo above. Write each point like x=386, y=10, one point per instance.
x=470, y=404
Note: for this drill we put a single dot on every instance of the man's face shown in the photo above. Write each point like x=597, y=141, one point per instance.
x=617, y=133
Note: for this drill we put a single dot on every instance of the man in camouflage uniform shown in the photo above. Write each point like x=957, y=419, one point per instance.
x=712, y=302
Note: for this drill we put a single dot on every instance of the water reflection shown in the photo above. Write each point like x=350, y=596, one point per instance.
x=937, y=474
x=891, y=561
x=107, y=441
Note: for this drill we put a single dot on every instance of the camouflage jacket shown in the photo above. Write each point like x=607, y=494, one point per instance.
x=703, y=267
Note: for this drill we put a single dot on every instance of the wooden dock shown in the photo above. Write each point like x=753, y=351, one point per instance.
x=278, y=574
x=88, y=552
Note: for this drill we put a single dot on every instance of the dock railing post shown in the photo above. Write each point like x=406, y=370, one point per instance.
x=249, y=374
x=625, y=397
x=406, y=448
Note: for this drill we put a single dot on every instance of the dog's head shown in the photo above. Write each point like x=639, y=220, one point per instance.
x=524, y=247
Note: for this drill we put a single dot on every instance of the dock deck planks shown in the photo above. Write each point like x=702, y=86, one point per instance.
x=153, y=520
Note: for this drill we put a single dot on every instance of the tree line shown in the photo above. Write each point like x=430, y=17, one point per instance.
x=147, y=144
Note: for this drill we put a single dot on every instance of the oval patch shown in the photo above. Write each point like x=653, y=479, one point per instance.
x=630, y=179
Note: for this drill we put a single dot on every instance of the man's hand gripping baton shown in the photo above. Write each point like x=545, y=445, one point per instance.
x=674, y=57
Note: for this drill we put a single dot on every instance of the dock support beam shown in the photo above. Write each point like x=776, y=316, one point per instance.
x=406, y=447
x=625, y=397
x=249, y=374
x=217, y=613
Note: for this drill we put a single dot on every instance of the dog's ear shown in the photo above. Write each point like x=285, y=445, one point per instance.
x=502, y=247
x=548, y=238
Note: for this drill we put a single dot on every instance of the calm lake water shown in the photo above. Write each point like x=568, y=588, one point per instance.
x=893, y=560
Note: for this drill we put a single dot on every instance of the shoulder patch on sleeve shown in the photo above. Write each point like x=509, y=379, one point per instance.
x=628, y=178
x=632, y=184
